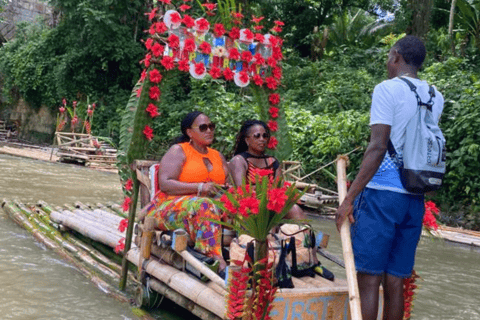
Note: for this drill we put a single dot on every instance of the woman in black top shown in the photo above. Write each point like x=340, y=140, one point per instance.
x=249, y=155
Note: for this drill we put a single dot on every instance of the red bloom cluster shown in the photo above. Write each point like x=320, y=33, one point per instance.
x=152, y=110
x=129, y=185
x=237, y=289
x=157, y=49
x=409, y=287
x=123, y=225
x=277, y=199
x=148, y=132
x=429, y=219
x=120, y=246
x=126, y=203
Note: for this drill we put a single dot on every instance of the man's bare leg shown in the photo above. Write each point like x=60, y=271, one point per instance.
x=369, y=286
x=393, y=298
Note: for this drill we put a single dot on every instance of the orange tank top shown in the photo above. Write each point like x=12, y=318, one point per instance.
x=195, y=170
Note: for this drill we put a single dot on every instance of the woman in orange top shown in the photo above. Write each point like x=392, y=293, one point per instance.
x=190, y=173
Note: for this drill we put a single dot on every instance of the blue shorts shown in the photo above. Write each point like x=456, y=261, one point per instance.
x=386, y=231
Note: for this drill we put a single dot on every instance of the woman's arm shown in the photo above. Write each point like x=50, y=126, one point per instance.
x=228, y=179
x=170, y=169
x=238, y=169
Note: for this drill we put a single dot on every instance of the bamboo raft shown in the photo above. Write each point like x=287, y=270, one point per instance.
x=457, y=235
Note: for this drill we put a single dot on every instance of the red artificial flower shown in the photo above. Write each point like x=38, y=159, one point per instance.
x=122, y=226
x=279, y=23
x=154, y=93
x=276, y=198
x=175, y=18
x=248, y=206
x=61, y=109
x=234, y=33
x=273, y=41
x=258, y=28
x=184, y=7
x=272, y=125
x=259, y=37
x=183, y=65
x=209, y=6
x=166, y=1
x=233, y=54
x=126, y=203
x=159, y=27
x=277, y=29
x=155, y=76
x=215, y=72
x=274, y=98
x=139, y=92
x=129, y=185
x=247, y=56
x=249, y=34
x=258, y=58
x=146, y=61
x=244, y=77
x=152, y=110
x=219, y=30
x=199, y=68
x=205, y=47
x=167, y=62
x=228, y=204
x=228, y=74
x=152, y=14
x=273, y=112
x=277, y=53
x=188, y=21
x=237, y=15
x=120, y=246
x=272, y=143
x=149, y=43
x=257, y=20
x=258, y=80
x=272, y=62
x=189, y=45
x=202, y=24
x=271, y=83
x=157, y=49
x=431, y=206
x=277, y=73
x=148, y=132
x=173, y=41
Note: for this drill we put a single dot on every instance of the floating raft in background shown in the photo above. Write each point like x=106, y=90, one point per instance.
x=85, y=235
x=457, y=235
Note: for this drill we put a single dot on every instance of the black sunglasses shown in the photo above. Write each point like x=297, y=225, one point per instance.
x=204, y=127
x=258, y=135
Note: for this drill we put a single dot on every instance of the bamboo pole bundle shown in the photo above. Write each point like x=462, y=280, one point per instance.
x=100, y=219
x=180, y=300
x=182, y=283
x=17, y=216
x=95, y=231
x=76, y=251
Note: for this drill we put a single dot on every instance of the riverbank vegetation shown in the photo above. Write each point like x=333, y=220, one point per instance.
x=335, y=53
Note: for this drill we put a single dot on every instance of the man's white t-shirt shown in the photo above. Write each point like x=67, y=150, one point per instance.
x=394, y=104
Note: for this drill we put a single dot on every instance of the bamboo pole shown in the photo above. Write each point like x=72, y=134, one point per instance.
x=354, y=293
x=179, y=244
x=128, y=238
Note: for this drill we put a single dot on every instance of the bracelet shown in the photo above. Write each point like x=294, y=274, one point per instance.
x=199, y=188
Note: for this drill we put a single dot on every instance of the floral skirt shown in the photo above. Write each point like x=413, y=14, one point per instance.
x=189, y=213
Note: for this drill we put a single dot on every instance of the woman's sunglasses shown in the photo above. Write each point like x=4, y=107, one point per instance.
x=204, y=127
x=258, y=135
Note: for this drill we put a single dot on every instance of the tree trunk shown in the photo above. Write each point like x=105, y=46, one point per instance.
x=450, y=26
x=421, y=13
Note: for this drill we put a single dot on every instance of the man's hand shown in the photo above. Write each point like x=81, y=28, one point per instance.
x=344, y=211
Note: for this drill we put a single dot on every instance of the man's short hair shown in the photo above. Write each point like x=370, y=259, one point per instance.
x=412, y=50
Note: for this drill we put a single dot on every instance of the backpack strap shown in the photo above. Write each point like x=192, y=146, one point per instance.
x=420, y=103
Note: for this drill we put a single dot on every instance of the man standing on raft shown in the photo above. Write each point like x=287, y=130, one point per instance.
x=387, y=219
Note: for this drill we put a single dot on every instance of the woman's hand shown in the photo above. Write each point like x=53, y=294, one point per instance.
x=209, y=189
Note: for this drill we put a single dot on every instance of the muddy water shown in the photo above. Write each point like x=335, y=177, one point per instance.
x=36, y=284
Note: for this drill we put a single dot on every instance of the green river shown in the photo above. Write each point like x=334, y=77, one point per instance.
x=38, y=284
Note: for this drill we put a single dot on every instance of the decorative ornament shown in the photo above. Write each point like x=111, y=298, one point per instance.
x=171, y=19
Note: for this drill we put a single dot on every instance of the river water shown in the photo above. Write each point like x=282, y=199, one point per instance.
x=36, y=284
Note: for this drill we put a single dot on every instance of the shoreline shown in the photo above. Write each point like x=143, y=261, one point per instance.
x=41, y=153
